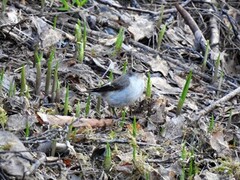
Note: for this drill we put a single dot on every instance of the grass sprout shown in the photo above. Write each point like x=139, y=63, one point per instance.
x=98, y=106
x=78, y=109
x=110, y=76
x=87, y=109
x=211, y=124
x=49, y=71
x=3, y=117
x=1, y=79
x=205, y=57
x=149, y=86
x=66, y=103
x=23, y=81
x=57, y=97
x=65, y=6
x=184, y=93
x=108, y=158
x=217, y=64
x=81, y=39
x=125, y=64
x=123, y=118
x=80, y=3
x=119, y=42
x=55, y=81
x=4, y=5
x=12, y=89
x=159, y=22
x=38, y=59
x=183, y=157
x=55, y=22
x=160, y=35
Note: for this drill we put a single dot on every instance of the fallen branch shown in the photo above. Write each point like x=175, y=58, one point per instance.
x=216, y=103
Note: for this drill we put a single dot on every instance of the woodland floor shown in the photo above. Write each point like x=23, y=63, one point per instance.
x=39, y=142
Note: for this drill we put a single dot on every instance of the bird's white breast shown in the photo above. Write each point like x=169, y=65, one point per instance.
x=128, y=95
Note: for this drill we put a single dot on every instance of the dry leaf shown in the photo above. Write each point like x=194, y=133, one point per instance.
x=162, y=84
x=159, y=65
x=218, y=143
x=141, y=27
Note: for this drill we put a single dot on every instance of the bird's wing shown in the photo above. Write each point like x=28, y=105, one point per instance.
x=117, y=84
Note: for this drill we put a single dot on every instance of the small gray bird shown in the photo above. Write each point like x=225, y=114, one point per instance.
x=123, y=91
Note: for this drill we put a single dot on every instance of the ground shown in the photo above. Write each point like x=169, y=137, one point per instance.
x=53, y=52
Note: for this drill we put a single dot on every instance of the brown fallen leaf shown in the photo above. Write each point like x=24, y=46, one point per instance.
x=219, y=144
x=63, y=120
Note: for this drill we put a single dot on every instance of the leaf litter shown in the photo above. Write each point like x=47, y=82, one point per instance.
x=168, y=146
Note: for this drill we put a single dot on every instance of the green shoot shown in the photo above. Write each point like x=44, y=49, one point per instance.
x=112, y=135
x=12, y=89
x=65, y=6
x=81, y=39
x=1, y=79
x=57, y=97
x=184, y=93
x=125, y=67
x=192, y=167
x=80, y=3
x=98, y=106
x=23, y=81
x=66, y=103
x=55, y=80
x=159, y=22
x=78, y=110
x=27, y=94
x=119, y=41
x=110, y=76
x=123, y=118
x=78, y=32
x=84, y=35
x=134, y=146
x=184, y=152
x=38, y=60
x=134, y=133
x=42, y=5
x=211, y=124
x=183, y=157
x=74, y=133
x=55, y=22
x=217, y=64
x=87, y=109
x=147, y=175
x=108, y=158
x=149, y=86
x=27, y=131
x=49, y=71
x=235, y=142
x=4, y=5
x=205, y=57
x=80, y=51
x=160, y=36
x=3, y=117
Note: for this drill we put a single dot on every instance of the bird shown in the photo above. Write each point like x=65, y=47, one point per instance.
x=123, y=91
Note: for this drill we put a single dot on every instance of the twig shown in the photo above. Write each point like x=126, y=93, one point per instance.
x=216, y=103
